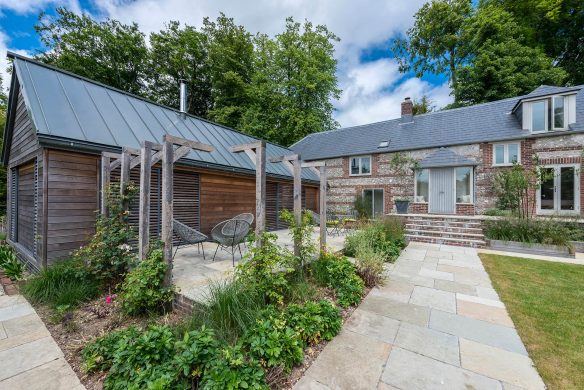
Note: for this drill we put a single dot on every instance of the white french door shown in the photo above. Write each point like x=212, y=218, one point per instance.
x=559, y=193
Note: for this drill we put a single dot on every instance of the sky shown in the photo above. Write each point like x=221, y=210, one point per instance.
x=372, y=85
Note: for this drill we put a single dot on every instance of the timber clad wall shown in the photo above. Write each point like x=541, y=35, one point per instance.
x=72, y=201
x=24, y=140
x=25, y=206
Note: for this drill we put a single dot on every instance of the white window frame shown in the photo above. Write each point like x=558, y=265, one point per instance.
x=506, y=162
x=547, y=120
x=360, y=165
x=545, y=115
x=556, y=168
x=373, y=199
x=553, y=119
x=416, y=185
x=471, y=184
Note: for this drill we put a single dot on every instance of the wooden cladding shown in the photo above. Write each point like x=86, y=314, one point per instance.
x=72, y=201
x=25, y=206
x=24, y=144
x=280, y=196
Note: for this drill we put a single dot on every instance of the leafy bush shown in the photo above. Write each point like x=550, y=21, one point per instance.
x=108, y=255
x=233, y=369
x=386, y=237
x=314, y=321
x=369, y=265
x=539, y=231
x=263, y=269
x=272, y=342
x=66, y=283
x=99, y=354
x=12, y=267
x=194, y=352
x=302, y=235
x=339, y=274
x=231, y=309
x=143, y=290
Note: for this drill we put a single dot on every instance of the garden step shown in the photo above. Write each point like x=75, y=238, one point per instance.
x=446, y=241
x=438, y=233
x=439, y=222
x=459, y=229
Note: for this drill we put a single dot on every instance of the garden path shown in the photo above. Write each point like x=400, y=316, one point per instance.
x=29, y=357
x=437, y=323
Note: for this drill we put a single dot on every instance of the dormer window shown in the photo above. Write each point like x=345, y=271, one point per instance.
x=549, y=114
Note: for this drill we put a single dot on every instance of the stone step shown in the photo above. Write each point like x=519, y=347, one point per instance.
x=447, y=241
x=439, y=222
x=448, y=228
x=439, y=233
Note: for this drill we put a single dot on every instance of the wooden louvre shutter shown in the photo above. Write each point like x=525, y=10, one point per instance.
x=13, y=203
x=25, y=208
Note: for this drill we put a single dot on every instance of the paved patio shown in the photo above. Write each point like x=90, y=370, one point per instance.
x=436, y=324
x=29, y=357
x=192, y=273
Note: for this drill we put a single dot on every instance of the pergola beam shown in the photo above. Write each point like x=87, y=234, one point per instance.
x=257, y=154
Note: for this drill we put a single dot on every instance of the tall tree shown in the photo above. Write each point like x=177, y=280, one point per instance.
x=502, y=64
x=293, y=84
x=179, y=53
x=108, y=51
x=230, y=60
x=3, y=108
x=436, y=43
x=423, y=106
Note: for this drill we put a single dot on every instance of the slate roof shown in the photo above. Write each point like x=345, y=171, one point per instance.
x=444, y=157
x=487, y=122
x=66, y=107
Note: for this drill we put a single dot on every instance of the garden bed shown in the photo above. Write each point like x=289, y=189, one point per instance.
x=531, y=248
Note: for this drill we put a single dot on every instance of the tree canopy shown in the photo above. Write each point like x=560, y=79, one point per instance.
x=496, y=48
x=278, y=88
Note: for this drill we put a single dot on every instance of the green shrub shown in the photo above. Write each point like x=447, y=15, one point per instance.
x=314, y=321
x=339, y=274
x=194, y=352
x=143, y=291
x=272, y=342
x=302, y=235
x=537, y=231
x=231, y=309
x=233, y=369
x=99, y=354
x=10, y=263
x=65, y=283
x=385, y=236
x=264, y=268
x=370, y=265
x=108, y=256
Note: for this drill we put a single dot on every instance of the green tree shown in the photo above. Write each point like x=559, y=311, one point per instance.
x=3, y=108
x=230, y=60
x=423, y=106
x=293, y=84
x=437, y=42
x=179, y=53
x=502, y=64
x=109, y=51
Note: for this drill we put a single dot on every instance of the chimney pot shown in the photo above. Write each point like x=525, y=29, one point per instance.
x=183, y=96
x=407, y=107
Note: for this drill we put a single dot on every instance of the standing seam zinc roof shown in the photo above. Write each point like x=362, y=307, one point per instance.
x=65, y=106
x=487, y=122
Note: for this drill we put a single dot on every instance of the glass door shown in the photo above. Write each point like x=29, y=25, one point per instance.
x=558, y=193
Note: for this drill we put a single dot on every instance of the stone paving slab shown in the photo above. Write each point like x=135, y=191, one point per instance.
x=442, y=325
x=30, y=358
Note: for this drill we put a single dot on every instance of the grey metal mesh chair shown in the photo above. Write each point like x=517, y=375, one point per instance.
x=247, y=217
x=229, y=234
x=188, y=236
x=315, y=217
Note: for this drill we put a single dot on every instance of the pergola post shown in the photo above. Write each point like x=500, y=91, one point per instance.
x=105, y=182
x=124, y=175
x=257, y=154
x=167, y=206
x=144, y=217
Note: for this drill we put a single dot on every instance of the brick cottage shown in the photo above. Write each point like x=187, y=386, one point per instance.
x=458, y=152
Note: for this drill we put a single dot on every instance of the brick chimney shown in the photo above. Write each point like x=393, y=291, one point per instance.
x=407, y=110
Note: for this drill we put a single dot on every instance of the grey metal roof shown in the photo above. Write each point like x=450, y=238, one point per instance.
x=487, y=122
x=444, y=157
x=64, y=106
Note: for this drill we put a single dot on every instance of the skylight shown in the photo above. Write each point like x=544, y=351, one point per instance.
x=383, y=144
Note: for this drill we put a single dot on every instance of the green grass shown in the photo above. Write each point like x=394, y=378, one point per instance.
x=62, y=284
x=546, y=302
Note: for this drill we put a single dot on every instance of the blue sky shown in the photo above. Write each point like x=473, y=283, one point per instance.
x=372, y=85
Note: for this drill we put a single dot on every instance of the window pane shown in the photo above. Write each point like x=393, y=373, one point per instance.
x=499, y=154
x=365, y=165
x=546, y=199
x=567, y=188
x=354, y=166
x=378, y=203
x=463, y=183
x=422, y=182
x=513, y=153
x=368, y=201
x=538, y=116
x=559, y=112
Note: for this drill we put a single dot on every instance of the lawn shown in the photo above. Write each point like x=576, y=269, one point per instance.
x=546, y=302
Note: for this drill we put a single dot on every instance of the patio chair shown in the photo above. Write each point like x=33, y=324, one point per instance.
x=188, y=236
x=228, y=235
x=315, y=217
x=247, y=217
x=333, y=223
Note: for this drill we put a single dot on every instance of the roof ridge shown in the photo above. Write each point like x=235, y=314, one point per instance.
x=13, y=55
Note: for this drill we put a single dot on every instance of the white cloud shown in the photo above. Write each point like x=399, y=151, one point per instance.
x=4, y=42
x=373, y=92
x=34, y=6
